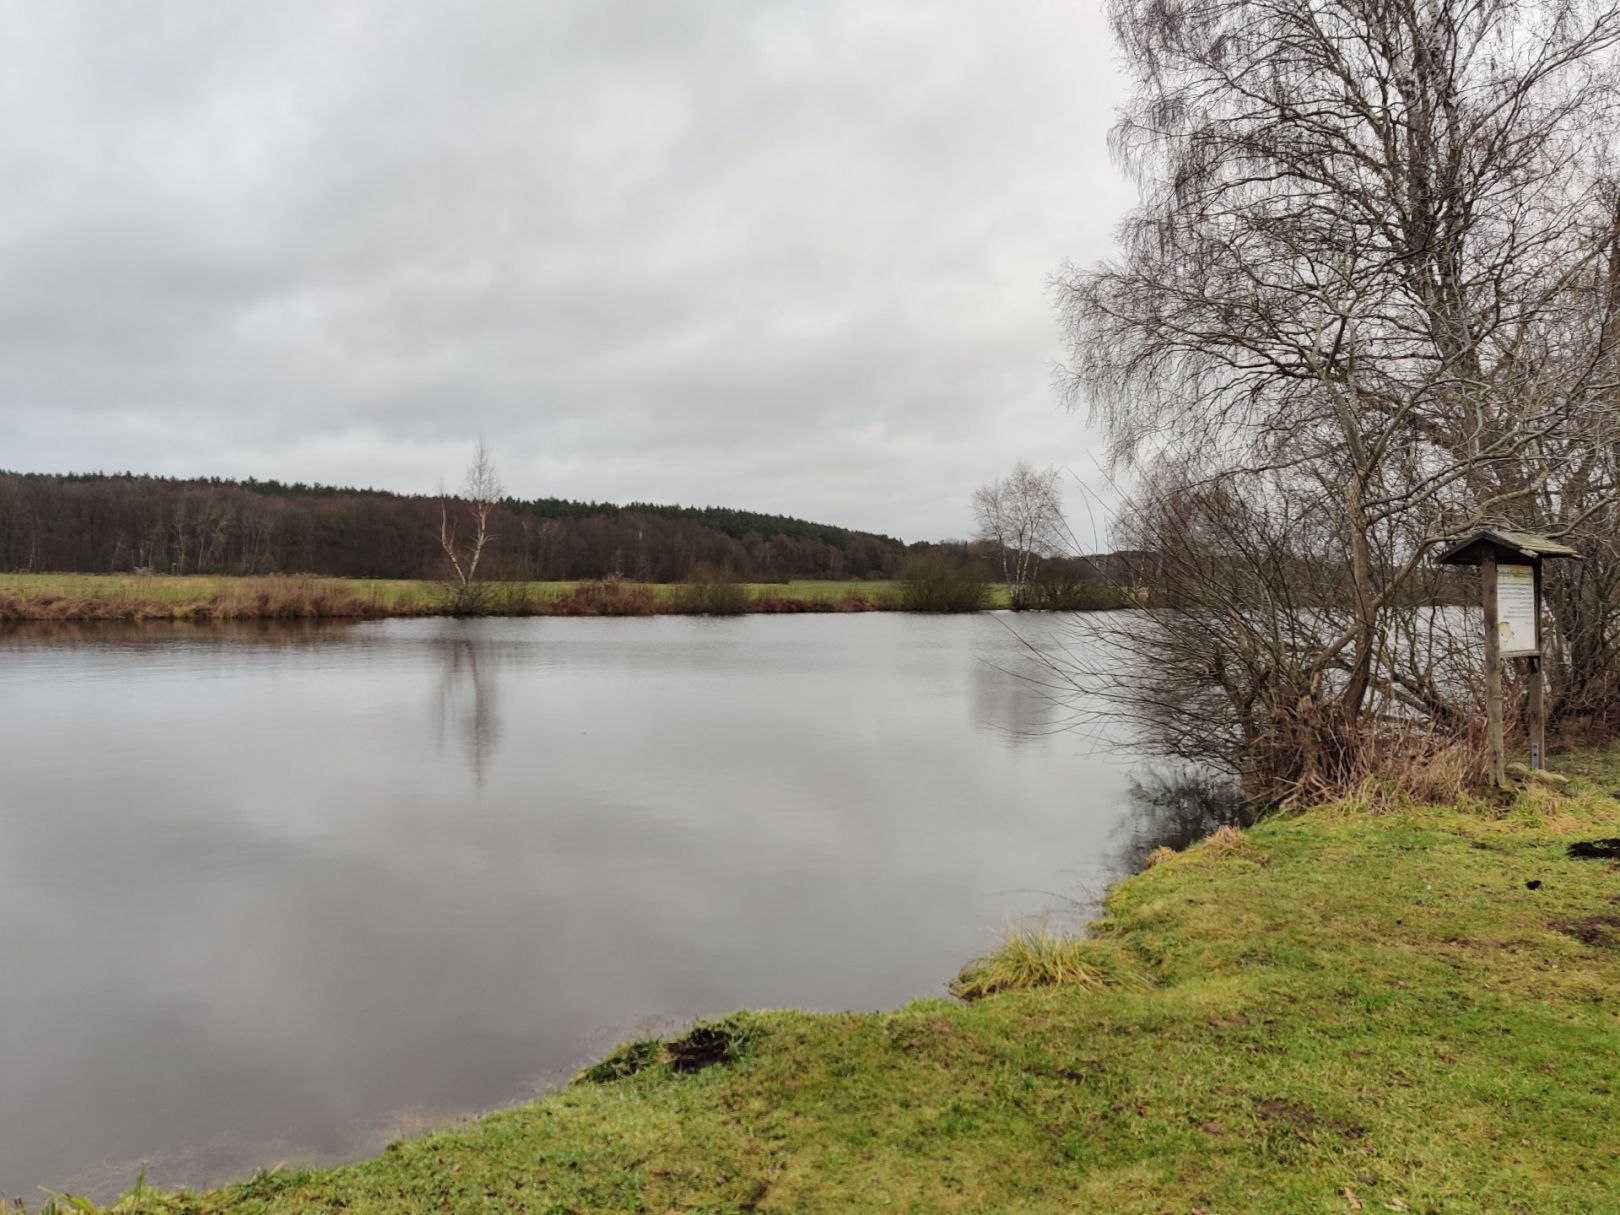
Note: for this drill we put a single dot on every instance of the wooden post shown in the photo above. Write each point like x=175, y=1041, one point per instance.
x=1493, y=673
x=1538, y=708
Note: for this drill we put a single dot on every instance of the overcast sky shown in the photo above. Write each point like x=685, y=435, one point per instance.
x=785, y=256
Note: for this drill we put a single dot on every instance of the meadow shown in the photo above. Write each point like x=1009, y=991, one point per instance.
x=206, y=597
x=1365, y=1006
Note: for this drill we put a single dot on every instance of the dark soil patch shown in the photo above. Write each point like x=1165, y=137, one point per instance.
x=1596, y=850
x=1300, y=1120
x=705, y=1045
x=1601, y=931
x=1298, y=1117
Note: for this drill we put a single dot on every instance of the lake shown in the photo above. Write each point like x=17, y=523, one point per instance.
x=280, y=893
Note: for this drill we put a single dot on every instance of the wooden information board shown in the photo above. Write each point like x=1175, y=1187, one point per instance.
x=1516, y=611
x=1510, y=593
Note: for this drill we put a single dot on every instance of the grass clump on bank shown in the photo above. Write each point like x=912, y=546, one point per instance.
x=1038, y=957
x=1412, y=1008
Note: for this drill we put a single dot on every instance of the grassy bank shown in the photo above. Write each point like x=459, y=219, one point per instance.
x=162, y=597
x=1344, y=1009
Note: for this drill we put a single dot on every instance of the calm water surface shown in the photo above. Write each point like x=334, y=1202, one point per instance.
x=282, y=893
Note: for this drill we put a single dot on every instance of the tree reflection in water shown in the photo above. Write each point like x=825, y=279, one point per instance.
x=467, y=702
x=1175, y=807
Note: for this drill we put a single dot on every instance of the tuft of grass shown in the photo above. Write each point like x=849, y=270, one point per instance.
x=1158, y=856
x=1029, y=958
x=1225, y=840
x=1421, y=770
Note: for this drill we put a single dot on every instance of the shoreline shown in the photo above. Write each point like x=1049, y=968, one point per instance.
x=160, y=597
x=1354, y=1006
x=202, y=598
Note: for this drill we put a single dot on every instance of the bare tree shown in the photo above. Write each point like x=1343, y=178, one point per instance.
x=481, y=493
x=1022, y=516
x=1363, y=304
x=1224, y=661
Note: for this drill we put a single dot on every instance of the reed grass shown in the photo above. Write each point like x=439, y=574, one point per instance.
x=1028, y=958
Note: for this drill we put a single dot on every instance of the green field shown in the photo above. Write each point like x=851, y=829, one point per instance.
x=128, y=596
x=1343, y=1009
x=199, y=597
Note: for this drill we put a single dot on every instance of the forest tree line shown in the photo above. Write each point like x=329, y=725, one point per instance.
x=110, y=523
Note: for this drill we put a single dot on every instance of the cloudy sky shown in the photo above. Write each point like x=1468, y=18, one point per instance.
x=791, y=256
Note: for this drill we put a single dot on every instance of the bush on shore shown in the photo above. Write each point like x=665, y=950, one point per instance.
x=607, y=597
x=709, y=592
x=1070, y=584
x=932, y=583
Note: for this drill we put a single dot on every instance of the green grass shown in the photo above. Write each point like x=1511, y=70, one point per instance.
x=1036, y=957
x=148, y=596
x=199, y=588
x=394, y=593
x=86, y=595
x=1340, y=1010
x=191, y=586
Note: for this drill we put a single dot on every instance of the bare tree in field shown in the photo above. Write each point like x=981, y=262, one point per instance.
x=1367, y=300
x=1022, y=516
x=464, y=528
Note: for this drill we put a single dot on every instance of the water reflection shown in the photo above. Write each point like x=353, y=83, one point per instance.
x=467, y=703
x=159, y=634
x=266, y=887
x=1175, y=807
x=1010, y=702
x=1016, y=694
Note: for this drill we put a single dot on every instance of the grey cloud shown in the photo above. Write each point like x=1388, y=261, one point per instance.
x=777, y=255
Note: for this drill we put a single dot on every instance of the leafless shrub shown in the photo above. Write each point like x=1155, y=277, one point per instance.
x=932, y=582
x=607, y=597
x=710, y=592
x=1072, y=584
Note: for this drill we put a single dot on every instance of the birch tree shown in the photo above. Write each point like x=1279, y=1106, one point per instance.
x=1022, y=516
x=464, y=529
